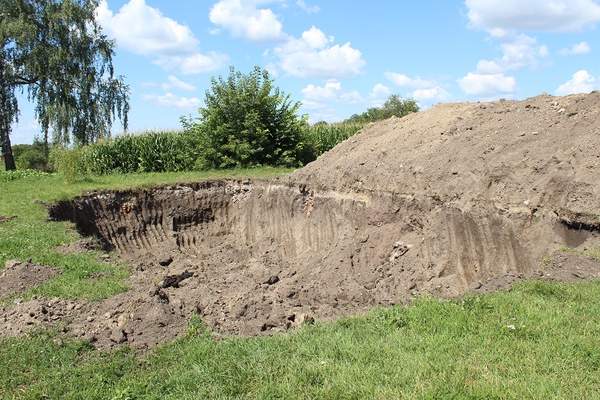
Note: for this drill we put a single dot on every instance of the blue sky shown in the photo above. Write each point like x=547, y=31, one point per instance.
x=340, y=57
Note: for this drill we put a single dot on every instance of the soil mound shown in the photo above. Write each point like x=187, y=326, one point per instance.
x=457, y=198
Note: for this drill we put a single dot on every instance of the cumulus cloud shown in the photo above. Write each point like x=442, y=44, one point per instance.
x=422, y=90
x=499, y=16
x=331, y=91
x=310, y=9
x=144, y=30
x=380, y=91
x=490, y=76
x=479, y=84
x=173, y=82
x=322, y=101
x=316, y=55
x=244, y=18
x=171, y=100
x=195, y=63
x=581, y=82
x=577, y=49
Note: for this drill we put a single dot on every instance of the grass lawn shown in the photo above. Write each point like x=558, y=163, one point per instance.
x=537, y=341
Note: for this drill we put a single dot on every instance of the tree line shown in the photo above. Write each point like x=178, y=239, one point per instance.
x=54, y=53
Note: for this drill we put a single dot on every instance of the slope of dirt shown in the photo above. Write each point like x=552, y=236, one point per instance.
x=458, y=198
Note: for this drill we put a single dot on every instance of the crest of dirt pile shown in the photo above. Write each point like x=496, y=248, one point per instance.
x=456, y=198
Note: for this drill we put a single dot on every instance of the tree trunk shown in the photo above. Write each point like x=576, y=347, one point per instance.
x=9, y=160
x=7, y=110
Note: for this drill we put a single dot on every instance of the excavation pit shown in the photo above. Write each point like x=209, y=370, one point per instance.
x=252, y=258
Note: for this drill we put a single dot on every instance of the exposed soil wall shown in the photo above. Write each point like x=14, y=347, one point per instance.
x=460, y=197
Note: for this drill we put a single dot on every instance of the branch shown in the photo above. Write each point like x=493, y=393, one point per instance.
x=21, y=80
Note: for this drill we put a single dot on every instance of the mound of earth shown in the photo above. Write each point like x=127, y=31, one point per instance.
x=456, y=198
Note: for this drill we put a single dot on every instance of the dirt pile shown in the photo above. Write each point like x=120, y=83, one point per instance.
x=460, y=197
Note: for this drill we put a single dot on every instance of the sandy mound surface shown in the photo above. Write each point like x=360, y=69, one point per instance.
x=461, y=197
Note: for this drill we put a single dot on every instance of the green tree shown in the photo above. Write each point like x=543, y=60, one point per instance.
x=54, y=52
x=247, y=121
x=394, y=106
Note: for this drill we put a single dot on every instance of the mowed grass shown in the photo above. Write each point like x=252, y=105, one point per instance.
x=537, y=341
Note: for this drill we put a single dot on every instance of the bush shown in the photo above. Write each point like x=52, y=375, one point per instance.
x=69, y=163
x=394, y=106
x=246, y=122
x=31, y=156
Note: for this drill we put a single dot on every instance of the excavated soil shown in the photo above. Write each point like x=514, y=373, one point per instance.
x=17, y=277
x=462, y=197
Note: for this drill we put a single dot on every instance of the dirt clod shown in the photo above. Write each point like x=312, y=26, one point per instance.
x=175, y=280
x=165, y=261
x=4, y=218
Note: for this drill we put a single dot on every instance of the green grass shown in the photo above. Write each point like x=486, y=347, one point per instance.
x=31, y=236
x=537, y=341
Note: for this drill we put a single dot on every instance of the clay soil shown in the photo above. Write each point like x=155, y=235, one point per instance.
x=458, y=198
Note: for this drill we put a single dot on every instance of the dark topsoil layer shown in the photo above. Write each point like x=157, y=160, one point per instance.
x=462, y=197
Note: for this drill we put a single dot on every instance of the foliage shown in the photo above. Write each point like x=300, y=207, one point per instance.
x=31, y=156
x=7, y=176
x=322, y=137
x=247, y=121
x=69, y=163
x=394, y=106
x=55, y=51
x=147, y=152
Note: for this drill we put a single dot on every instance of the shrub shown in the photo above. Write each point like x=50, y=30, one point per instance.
x=394, y=106
x=247, y=121
x=31, y=156
x=69, y=163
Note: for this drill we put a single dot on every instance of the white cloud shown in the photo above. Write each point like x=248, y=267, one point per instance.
x=380, y=91
x=489, y=67
x=421, y=89
x=406, y=81
x=144, y=30
x=521, y=51
x=577, y=49
x=331, y=91
x=315, y=38
x=308, y=8
x=171, y=100
x=429, y=94
x=173, y=83
x=195, y=63
x=581, y=82
x=487, y=84
x=315, y=55
x=323, y=101
x=500, y=16
x=243, y=18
